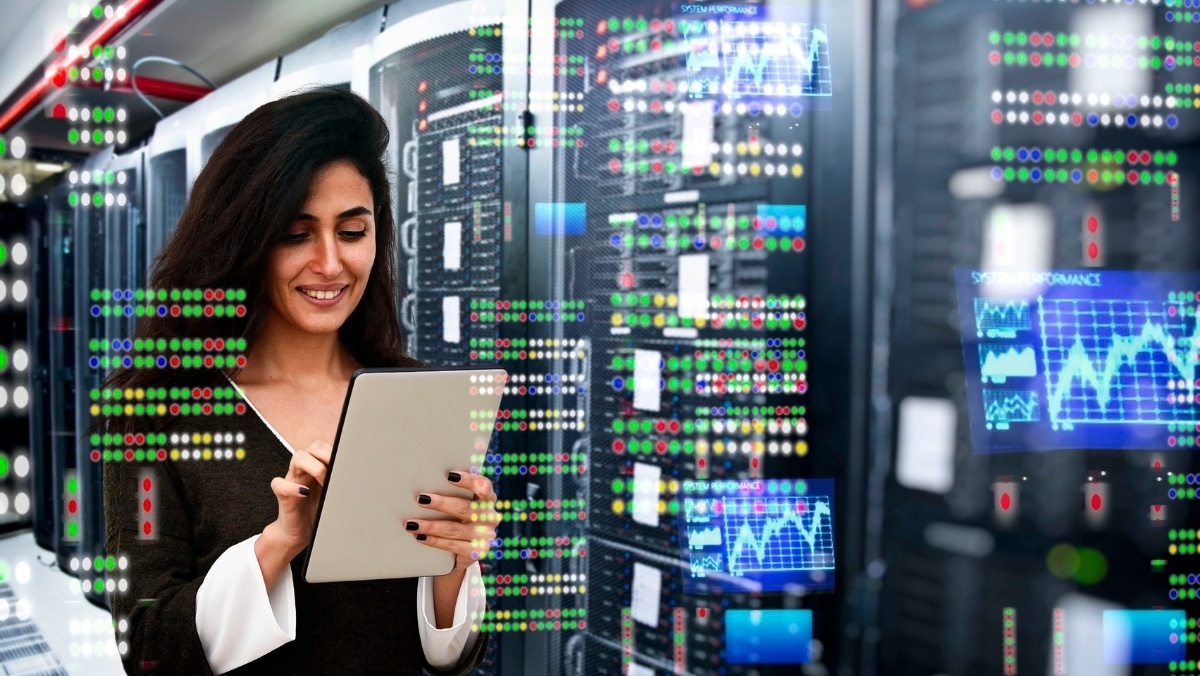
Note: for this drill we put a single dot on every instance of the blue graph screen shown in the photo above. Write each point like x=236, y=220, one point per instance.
x=1081, y=359
x=761, y=535
x=739, y=52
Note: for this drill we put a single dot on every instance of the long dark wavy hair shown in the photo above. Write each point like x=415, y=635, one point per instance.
x=241, y=205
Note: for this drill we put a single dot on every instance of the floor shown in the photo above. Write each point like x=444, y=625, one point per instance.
x=79, y=633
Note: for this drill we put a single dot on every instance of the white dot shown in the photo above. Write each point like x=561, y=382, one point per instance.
x=122, y=626
x=121, y=52
x=21, y=398
x=85, y=114
x=85, y=177
x=21, y=466
x=108, y=136
x=3, y=398
x=108, y=197
x=121, y=111
x=108, y=11
x=74, y=563
x=18, y=184
x=123, y=647
x=22, y=503
x=121, y=200
x=111, y=585
x=22, y=572
x=24, y=609
x=86, y=563
x=122, y=563
x=20, y=253
x=120, y=137
x=123, y=585
x=20, y=290
x=17, y=147
x=108, y=74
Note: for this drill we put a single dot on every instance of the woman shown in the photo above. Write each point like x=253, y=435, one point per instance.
x=293, y=207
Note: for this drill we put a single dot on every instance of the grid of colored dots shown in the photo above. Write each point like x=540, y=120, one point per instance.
x=620, y=506
x=172, y=361
x=164, y=394
x=169, y=310
x=173, y=295
x=1080, y=175
x=174, y=344
x=173, y=409
x=1062, y=155
x=769, y=320
x=726, y=302
x=726, y=361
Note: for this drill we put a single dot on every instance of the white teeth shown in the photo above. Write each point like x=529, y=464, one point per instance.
x=323, y=295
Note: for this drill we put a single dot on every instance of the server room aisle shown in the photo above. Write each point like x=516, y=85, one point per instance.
x=49, y=602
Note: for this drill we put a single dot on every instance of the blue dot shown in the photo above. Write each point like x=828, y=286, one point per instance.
x=161, y=361
x=128, y=344
x=556, y=390
x=128, y=294
x=162, y=310
x=471, y=69
x=618, y=383
x=656, y=220
x=997, y=174
x=1022, y=154
x=615, y=240
x=1131, y=120
x=532, y=389
x=94, y=362
x=128, y=362
x=1036, y=175
x=579, y=317
x=1093, y=119
x=1172, y=121
x=1035, y=155
x=1191, y=479
x=643, y=220
x=1076, y=175
x=1171, y=494
x=557, y=317
x=1174, y=595
x=523, y=469
x=95, y=310
x=698, y=242
x=796, y=109
x=1170, y=16
x=116, y=295
x=116, y=345
x=533, y=316
x=656, y=241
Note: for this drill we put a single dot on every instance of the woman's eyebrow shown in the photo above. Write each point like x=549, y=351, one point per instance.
x=349, y=213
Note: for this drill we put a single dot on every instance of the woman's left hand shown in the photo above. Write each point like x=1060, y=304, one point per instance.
x=469, y=533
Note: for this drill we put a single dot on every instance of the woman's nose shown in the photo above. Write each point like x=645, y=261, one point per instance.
x=327, y=258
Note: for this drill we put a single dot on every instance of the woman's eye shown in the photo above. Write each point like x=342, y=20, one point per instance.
x=354, y=234
x=295, y=237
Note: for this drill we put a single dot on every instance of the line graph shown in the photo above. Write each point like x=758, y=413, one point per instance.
x=1010, y=406
x=704, y=537
x=757, y=59
x=1119, y=361
x=778, y=534
x=713, y=562
x=1001, y=318
x=999, y=362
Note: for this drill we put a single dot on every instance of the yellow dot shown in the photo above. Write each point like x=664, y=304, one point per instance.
x=582, y=589
x=241, y=453
x=700, y=322
x=524, y=516
x=797, y=170
x=207, y=438
x=616, y=319
x=801, y=448
x=662, y=486
x=498, y=32
x=524, y=626
x=759, y=447
x=140, y=394
x=718, y=447
x=745, y=427
x=659, y=299
x=162, y=409
x=618, y=506
x=755, y=169
x=672, y=300
x=129, y=394
x=174, y=453
x=662, y=507
x=714, y=168
x=95, y=409
x=741, y=148
x=702, y=446
x=128, y=409
x=196, y=438
x=660, y=321
x=673, y=486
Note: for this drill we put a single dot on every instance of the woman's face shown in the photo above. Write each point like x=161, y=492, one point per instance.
x=318, y=273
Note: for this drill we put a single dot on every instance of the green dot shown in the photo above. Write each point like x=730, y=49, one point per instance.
x=72, y=485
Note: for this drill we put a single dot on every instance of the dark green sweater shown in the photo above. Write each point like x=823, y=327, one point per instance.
x=203, y=508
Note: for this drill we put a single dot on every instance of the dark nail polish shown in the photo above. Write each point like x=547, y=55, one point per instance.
x=424, y=499
x=304, y=490
x=411, y=525
x=455, y=477
x=421, y=537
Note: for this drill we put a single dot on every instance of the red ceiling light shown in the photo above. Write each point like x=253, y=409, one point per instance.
x=134, y=9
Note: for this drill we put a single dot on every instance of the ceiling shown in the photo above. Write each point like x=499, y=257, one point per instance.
x=222, y=39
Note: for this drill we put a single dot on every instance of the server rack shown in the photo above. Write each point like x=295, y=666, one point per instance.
x=15, y=486
x=961, y=103
x=421, y=80
x=330, y=59
x=41, y=215
x=223, y=108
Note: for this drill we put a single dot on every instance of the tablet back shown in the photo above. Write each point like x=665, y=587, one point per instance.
x=402, y=431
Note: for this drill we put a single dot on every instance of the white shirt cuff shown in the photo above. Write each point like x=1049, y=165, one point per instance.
x=237, y=619
x=445, y=647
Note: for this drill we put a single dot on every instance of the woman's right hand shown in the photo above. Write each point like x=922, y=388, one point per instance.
x=299, y=493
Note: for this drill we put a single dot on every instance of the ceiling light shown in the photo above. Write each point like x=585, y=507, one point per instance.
x=47, y=166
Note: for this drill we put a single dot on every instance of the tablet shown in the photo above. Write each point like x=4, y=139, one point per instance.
x=401, y=431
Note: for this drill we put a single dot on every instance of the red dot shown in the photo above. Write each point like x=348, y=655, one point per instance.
x=146, y=505
x=1093, y=251
x=147, y=485
x=72, y=506
x=146, y=528
x=95, y=456
x=1005, y=501
x=1093, y=224
x=1097, y=503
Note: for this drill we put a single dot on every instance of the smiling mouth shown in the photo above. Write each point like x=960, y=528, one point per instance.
x=323, y=295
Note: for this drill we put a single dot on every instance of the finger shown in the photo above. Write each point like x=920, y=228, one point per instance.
x=289, y=489
x=477, y=534
x=304, y=463
x=458, y=508
x=321, y=451
x=463, y=550
x=478, y=484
